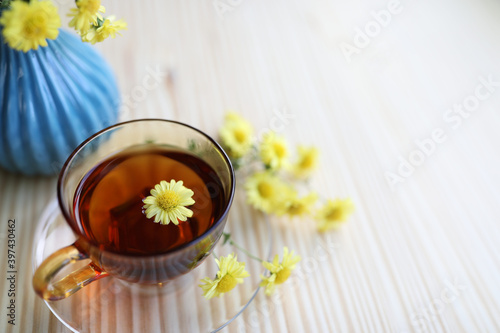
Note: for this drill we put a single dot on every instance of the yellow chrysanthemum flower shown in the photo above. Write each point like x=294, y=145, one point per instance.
x=334, y=213
x=109, y=28
x=273, y=150
x=233, y=116
x=264, y=191
x=299, y=206
x=29, y=25
x=306, y=162
x=85, y=15
x=168, y=201
x=231, y=272
x=236, y=135
x=280, y=272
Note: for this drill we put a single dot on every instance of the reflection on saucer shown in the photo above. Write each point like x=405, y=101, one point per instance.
x=110, y=304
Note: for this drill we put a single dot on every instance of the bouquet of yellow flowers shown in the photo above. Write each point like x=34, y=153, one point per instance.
x=28, y=24
x=271, y=185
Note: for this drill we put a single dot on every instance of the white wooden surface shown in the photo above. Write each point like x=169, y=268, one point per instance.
x=421, y=256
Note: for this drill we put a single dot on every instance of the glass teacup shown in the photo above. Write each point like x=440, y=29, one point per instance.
x=132, y=263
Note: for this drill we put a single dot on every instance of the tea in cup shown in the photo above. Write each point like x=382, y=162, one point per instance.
x=101, y=192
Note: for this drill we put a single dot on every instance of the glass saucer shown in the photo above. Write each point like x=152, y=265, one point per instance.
x=112, y=305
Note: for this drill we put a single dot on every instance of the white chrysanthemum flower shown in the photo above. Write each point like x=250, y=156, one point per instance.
x=168, y=201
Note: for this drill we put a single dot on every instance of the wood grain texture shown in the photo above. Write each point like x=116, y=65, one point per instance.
x=419, y=257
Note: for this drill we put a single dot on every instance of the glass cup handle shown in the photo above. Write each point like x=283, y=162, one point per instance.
x=71, y=283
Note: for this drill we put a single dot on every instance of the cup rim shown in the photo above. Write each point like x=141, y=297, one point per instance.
x=198, y=239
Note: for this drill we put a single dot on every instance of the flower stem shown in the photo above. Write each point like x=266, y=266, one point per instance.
x=245, y=251
x=227, y=238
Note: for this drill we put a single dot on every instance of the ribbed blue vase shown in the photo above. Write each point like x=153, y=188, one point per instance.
x=51, y=100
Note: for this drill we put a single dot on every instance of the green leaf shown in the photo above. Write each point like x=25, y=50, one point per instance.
x=191, y=145
x=227, y=236
x=4, y=3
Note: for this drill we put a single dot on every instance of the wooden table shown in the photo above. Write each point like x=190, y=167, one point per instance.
x=402, y=98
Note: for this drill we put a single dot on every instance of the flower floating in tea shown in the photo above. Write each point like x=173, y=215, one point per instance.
x=28, y=24
x=280, y=271
x=167, y=202
x=333, y=213
x=231, y=272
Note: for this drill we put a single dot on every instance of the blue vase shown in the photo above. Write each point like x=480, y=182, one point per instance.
x=51, y=99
